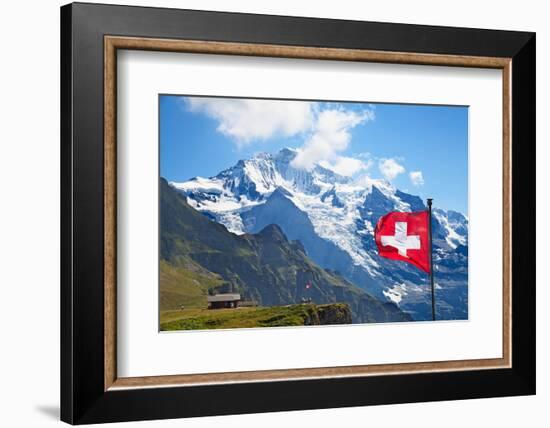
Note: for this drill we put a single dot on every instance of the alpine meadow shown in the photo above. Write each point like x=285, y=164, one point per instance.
x=278, y=213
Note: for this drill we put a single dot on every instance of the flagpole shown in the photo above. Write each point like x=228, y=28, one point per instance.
x=431, y=256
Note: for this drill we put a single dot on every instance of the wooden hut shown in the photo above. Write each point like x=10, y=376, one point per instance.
x=224, y=301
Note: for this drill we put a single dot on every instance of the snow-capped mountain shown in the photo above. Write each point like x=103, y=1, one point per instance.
x=334, y=218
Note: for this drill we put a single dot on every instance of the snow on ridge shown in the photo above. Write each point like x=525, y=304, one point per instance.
x=232, y=221
x=403, y=292
x=396, y=293
x=365, y=181
x=263, y=174
x=452, y=237
x=384, y=186
x=207, y=185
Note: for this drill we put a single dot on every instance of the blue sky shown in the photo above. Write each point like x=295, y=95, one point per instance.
x=420, y=149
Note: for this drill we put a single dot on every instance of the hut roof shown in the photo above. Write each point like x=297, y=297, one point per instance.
x=224, y=297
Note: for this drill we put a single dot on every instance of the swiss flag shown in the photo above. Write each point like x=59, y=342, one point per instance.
x=405, y=236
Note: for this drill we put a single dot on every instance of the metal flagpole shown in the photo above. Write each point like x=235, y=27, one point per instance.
x=431, y=256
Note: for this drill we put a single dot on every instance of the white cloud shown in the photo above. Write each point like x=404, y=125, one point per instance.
x=325, y=128
x=390, y=168
x=330, y=135
x=417, y=179
x=246, y=120
x=346, y=166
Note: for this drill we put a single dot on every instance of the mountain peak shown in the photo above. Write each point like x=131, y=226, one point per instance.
x=273, y=232
x=280, y=192
x=286, y=154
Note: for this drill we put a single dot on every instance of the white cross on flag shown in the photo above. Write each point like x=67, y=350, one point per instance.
x=405, y=236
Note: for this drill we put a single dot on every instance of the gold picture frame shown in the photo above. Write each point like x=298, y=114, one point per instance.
x=114, y=43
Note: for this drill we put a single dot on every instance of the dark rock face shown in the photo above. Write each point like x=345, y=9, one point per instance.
x=375, y=205
x=336, y=313
x=414, y=202
x=334, y=200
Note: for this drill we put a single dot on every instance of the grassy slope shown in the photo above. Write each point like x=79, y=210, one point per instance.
x=184, y=286
x=276, y=316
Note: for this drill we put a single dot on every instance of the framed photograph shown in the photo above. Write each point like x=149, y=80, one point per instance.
x=273, y=213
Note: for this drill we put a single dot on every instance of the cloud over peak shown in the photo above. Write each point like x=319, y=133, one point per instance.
x=390, y=168
x=417, y=179
x=330, y=136
x=346, y=166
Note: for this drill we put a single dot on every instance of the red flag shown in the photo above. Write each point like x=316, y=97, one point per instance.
x=405, y=236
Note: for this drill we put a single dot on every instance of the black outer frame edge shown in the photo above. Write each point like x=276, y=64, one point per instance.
x=142, y=21
x=524, y=216
x=169, y=403
x=82, y=397
x=66, y=315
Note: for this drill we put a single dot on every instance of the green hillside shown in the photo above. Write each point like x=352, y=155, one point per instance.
x=199, y=256
x=185, y=285
x=275, y=316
